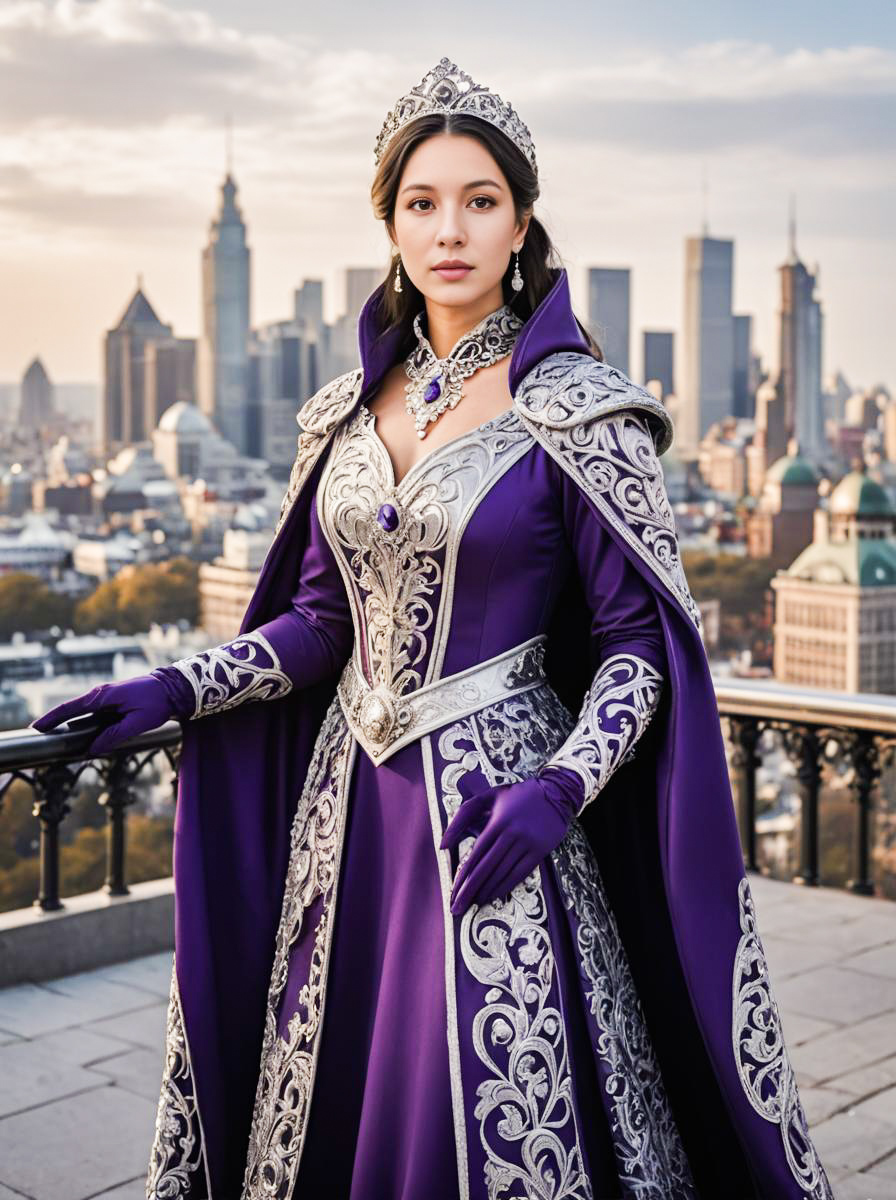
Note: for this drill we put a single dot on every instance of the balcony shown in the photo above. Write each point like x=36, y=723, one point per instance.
x=84, y=979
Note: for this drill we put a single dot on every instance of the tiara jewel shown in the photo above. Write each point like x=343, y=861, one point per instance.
x=447, y=89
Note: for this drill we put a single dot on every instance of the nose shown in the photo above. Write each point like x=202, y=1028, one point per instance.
x=451, y=232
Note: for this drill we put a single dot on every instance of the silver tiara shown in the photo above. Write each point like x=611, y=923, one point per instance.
x=448, y=89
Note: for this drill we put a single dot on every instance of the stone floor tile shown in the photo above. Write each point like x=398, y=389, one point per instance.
x=135, y=1190
x=151, y=973
x=138, y=1070
x=836, y=994
x=866, y=1080
x=142, y=1027
x=853, y=1142
x=866, y=1185
x=33, y=1074
x=87, y=1143
x=881, y=960
x=881, y=1106
x=821, y=1103
x=830, y=1055
x=30, y=1009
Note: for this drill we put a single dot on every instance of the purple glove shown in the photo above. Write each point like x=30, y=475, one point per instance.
x=520, y=824
x=141, y=704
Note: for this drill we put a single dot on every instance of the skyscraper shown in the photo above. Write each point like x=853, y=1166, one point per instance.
x=801, y=338
x=36, y=407
x=125, y=419
x=707, y=387
x=223, y=359
x=744, y=395
x=659, y=359
x=609, y=312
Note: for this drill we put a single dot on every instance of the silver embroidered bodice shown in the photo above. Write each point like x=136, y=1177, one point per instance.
x=397, y=543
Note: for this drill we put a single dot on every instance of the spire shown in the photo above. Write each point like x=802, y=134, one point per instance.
x=228, y=153
x=791, y=230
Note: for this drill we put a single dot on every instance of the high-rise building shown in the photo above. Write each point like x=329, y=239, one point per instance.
x=707, y=394
x=801, y=345
x=36, y=408
x=744, y=394
x=835, y=606
x=125, y=419
x=609, y=313
x=659, y=360
x=169, y=376
x=359, y=283
x=223, y=360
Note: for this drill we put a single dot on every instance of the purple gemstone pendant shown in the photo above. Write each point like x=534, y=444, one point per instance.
x=433, y=390
x=387, y=516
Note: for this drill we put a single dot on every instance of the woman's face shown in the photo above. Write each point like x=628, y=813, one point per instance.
x=454, y=202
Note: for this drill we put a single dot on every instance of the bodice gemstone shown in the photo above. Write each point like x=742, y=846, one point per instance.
x=433, y=390
x=387, y=516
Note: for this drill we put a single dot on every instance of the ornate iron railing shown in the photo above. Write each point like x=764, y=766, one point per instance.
x=812, y=727
x=52, y=763
x=806, y=724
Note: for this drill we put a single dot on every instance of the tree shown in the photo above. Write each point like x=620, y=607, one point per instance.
x=28, y=604
x=137, y=596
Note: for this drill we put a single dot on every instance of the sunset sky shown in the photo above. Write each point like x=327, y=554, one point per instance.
x=112, y=149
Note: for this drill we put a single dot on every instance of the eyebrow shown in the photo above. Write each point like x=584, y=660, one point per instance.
x=428, y=187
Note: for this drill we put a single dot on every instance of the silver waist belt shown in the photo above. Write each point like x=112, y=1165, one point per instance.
x=384, y=722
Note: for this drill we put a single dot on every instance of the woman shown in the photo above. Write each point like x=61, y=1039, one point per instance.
x=436, y=935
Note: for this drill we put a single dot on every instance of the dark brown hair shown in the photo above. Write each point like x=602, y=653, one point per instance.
x=537, y=257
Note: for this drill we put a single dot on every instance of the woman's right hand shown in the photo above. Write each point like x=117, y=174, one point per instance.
x=140, y=704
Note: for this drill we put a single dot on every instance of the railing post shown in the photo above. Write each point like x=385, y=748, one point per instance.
x=745, y=738
x=803, y=744
x=117, y=775
x=52, y=787
x=866, y=764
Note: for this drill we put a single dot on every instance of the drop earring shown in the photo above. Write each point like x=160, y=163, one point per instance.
x=396, y=282
x=517, y=281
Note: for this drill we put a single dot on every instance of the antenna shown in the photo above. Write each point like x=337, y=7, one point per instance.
x=705, y=193
x=791, y=226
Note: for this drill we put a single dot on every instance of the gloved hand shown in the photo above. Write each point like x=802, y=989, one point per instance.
x=141, y=704
x=520, y=824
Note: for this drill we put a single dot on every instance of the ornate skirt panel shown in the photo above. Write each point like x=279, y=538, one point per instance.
x=176, y=1162
x=528, y=1131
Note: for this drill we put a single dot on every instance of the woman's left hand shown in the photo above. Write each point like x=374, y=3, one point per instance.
x=521, y=826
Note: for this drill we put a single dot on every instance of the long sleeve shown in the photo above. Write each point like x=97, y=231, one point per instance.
x=297, y=648
x=628, y=644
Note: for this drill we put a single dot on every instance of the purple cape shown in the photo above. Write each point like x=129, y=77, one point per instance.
x=671, y=860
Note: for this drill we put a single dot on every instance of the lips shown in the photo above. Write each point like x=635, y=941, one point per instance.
x=454, y=271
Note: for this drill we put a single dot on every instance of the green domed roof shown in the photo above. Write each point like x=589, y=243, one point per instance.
x=791, y=470
x=858, y=495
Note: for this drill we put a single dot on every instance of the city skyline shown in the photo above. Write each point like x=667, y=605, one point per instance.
x=94, y=193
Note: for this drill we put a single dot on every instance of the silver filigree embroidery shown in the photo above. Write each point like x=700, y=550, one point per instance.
x=512, y=739
x=595, y=422
x=527, y=1123
x=763, y=1063
x=286, y=1077
x=393, y=573
x=616, y=710
x=649, y=1152
x=177, y=1149
x=245, y=669
x=317, y=418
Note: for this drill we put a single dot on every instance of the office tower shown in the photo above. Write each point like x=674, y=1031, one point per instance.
x=707, y=388
x=744, y=396
x=801, y=345
x=359, y=283
x=308, y=305
x=125, y=419
x=36, y=406
x=659, y=359
x=169, y=376
x=223, y=361
x=609, y=313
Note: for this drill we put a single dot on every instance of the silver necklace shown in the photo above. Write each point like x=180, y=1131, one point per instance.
x=437, y=383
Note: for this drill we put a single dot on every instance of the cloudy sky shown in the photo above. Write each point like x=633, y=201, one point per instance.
x=112, y=145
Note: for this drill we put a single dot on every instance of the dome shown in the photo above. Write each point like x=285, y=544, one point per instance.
x=792, y=471
x=857, y=495
x=184, y=418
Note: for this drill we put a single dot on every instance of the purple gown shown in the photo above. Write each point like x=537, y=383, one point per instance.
x=579, y=1038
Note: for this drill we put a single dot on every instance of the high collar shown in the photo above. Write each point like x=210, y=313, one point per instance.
x=550, y=328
